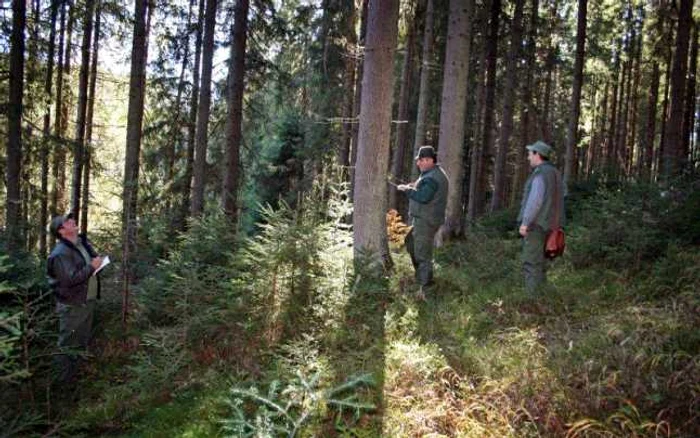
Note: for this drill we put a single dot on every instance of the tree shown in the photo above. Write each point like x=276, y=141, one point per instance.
x=229, y=194
x=509, y=94
x=401, y=144
x=572, y=131
x=453, y=107
x=201, y=138
x=369, y=220
x=192, y=121
x=14, y=127
x=673, y=143
x=89, y=122
x=423, y=93
x=137, y=82
x=48, y=91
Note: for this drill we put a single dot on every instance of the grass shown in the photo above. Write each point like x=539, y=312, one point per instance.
x=601, y=354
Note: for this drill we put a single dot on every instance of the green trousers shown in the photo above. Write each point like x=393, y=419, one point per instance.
x=419, y=244
x=74, y=335
x=534, y=262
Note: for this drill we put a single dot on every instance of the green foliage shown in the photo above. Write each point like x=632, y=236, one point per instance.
x=192, y=285
x=288, y=406
x=619, y=228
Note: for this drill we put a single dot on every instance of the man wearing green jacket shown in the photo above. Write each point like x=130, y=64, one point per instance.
x=537, y=211
x=427, y=200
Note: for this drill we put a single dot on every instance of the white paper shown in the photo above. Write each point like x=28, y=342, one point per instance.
x=105, y=262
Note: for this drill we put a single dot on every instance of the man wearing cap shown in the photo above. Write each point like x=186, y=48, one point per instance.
x=536, y=212
x=427, y=199
x=70, y=268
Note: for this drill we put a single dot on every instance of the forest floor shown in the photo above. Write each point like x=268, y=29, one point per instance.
x=604, y=351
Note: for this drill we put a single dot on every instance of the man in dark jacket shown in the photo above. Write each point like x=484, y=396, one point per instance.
x=427, y=200
x=543, y=196
x=71, y=270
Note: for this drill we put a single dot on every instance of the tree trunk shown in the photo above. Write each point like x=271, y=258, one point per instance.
x=14, y=128
x=612, y=127
x=453, y=107
x=349, y=83
x=509, y=95
x=689, y=117
x=648, y=156
x=527, y=116
x=658, y=158
x=135, y=112
x=358, y=94
x=176, y=129
x=489, y=103
x=58, y=166
x=399, y=156
x=572, y=131
x=369, y=219
x=672, y=158
x=201, y=139
x=633, y=142
x=79, y=145
x=476, y=161
x=89, y=148
x=48, y=90
x=229, y=197
x=192, y=121
x=424, y=92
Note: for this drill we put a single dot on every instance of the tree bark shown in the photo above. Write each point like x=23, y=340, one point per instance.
x=424, y=92
x=14, y=128
x=509, y=95
x=89, y=148
x=369, y=219
x=192, y=121
x=400, y=146
x=453, y=109
x=349, y=81
x=79, y=145
x=489, y=103
x=137, y=90
x=689, y=116
x=648, y=156
x=527, y=116
x=229, y=196
x=46, y=143
x=358, y=94
x=672, y=158
x=572, y=131
x=202, y=136
x=62, y=67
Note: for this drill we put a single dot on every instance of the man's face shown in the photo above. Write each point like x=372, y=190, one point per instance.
x=425, y=164
x=533, y=158
x=69, y=229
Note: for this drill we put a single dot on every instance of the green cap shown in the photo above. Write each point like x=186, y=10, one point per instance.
x=541, y=148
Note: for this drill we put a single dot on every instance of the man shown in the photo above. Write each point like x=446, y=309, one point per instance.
x=537, y=211
x=71, y=267
x=427, y=199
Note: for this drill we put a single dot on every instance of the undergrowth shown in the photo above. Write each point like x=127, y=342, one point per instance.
x=278, y=335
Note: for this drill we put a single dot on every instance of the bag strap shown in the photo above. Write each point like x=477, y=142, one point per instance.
x=554, y=223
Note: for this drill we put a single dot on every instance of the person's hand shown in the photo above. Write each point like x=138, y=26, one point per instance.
x=523, y=230
x=402, y=187
x=96, y=262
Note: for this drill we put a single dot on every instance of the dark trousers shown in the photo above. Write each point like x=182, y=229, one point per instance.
x=534, y=262
x=74, y=336
x=419, y=244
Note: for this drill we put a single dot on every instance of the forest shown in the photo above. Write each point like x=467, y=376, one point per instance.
x=237, y=160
